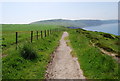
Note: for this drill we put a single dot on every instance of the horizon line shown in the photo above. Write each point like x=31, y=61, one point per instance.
x=58, y=19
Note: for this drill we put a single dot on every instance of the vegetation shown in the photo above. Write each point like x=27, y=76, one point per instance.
x=27, y=27
x=30, y=60
x=27, y=52
x=108, y=42
x=17, y=67
x=94, y=64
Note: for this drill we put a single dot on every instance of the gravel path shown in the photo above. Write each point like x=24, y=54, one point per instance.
x=63, y=65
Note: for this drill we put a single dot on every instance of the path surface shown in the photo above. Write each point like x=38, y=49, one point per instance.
x=63, y=65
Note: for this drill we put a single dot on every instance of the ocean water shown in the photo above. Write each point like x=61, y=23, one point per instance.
x=107, y=28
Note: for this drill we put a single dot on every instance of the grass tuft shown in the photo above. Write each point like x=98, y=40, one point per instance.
x=27, y=52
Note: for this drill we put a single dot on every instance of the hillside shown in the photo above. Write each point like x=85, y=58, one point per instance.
x=75, y=23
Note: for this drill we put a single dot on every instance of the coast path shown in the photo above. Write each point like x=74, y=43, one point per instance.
x=63, y=65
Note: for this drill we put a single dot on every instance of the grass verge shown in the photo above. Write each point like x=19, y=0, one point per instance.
x=69, y=44
x=94, y=64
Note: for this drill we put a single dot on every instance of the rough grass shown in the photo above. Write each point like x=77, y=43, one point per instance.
x=27, y=52
x=16, y=67
x=94, y=64
x=108, y=42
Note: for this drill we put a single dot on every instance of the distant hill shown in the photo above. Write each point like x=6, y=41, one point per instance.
x=75, y=23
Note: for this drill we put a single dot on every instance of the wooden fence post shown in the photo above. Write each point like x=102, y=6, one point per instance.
x=31, y=36
x=37, y=35
x=45, y=33
x=16, y=39
x=41, y=34
x=48, y=32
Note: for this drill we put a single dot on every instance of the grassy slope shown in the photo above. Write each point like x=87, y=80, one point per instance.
x=108, y=42
x=94, y=64
x=15, y=67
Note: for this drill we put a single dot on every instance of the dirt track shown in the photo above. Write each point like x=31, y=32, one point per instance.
x=63, y=65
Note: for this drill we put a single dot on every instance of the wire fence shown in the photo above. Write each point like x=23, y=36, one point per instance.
x=19, y=36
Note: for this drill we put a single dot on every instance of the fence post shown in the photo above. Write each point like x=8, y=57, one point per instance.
x=31, y=36
x=48, y=32
x=41, y=34
x=37, y=35
x=16, y=39
x=45, y=33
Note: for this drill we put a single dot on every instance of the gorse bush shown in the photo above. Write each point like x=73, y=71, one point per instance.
x=27, y=52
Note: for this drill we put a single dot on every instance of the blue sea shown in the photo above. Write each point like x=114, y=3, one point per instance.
x=107, y=28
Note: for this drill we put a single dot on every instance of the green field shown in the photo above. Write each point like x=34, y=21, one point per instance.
x=24, y=30
x=17, y=67
x=27, y=27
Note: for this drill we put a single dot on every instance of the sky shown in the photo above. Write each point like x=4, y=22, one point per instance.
x=27, y=12
x=59, y=0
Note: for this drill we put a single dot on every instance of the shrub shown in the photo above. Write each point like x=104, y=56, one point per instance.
x=27, y=52
x=4, y=45
x=77, y=31
x=108, y=36
x=117, y=43
x=104, y=47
